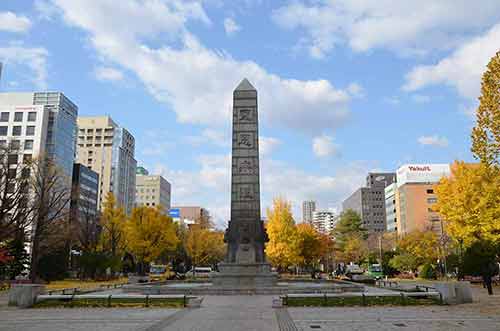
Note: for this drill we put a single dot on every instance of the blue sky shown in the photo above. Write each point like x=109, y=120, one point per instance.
x=345, y=87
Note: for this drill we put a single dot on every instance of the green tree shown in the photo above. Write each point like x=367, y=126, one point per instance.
x=480, y=259
x=416, y=249
x=350, y=237
x=404, y=262
x=19, y=256
x=148, y=233
x=282, y=249
x=486, y=133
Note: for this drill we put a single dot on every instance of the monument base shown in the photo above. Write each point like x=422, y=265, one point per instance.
x=244, y=275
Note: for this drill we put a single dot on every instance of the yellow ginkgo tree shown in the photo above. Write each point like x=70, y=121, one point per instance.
x=149, y=233
x=283, y=249
x=469, y=202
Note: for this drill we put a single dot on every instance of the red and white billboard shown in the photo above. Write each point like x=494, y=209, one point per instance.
x=422, y=173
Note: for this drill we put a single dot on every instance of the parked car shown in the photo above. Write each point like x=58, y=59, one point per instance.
x=199, y=272
x=375, y=271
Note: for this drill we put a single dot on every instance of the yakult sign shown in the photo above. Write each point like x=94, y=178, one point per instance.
x=422, y=173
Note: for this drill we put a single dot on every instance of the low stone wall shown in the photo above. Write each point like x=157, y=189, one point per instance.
x=210, y=289
x=24, y=295
x=454, y=292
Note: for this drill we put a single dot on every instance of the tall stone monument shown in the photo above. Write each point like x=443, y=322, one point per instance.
x=245, y=264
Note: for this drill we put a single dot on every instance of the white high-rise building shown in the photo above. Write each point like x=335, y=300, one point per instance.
x=324, y=221
x=109, y=149
x=308, y=208
x=40, y=123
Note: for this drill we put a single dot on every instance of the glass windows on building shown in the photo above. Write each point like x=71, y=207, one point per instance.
x=3, y=130
x=16, y=130
x=28, y=144
x=30, y=130
x=4, y=116
x=31, y=116
x=18, y=116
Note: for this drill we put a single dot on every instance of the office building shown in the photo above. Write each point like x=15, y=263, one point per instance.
x=84, y=193
x=390, y=208
x=415, y=197
x=151, y=191
x=380, y=179
x=308, y=208
x=41, y=123
x=369, y=202
x=192, y=214
x=324, y=221
x=109, y=150
x=141, y=171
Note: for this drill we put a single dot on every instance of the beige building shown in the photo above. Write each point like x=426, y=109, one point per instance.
x=415, y=197
x=191, y=215
x=152, y=190
x=414, y=202
x=108, y=149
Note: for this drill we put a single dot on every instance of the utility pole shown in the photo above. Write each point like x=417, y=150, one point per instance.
x=380, y=247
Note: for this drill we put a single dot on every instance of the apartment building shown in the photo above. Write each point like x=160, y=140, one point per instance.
x=308, y=208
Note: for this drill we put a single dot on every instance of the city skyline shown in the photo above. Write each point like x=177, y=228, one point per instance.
x=328, y=117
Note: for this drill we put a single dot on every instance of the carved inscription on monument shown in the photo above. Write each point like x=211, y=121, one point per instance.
x=245, y=140
x=246, y=166
x=246, y=115
x=246, y=192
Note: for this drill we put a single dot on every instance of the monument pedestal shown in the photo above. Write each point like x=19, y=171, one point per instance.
x=244, y=275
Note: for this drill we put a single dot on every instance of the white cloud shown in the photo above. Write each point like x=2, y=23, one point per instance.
x=10, y=22
x=230, y=26
x=108, y=74
x=210, y=136
x=434, y=140
x=35, y=58
x=46, y=10
x=209, y=186
x=267, y=145
x=462, y=69
x=324, y=146
x=195, y=81
x=408, y=27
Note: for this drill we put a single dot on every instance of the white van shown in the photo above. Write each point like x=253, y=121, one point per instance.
x=199, y=272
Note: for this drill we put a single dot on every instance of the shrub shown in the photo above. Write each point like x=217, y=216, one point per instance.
x=427, y=271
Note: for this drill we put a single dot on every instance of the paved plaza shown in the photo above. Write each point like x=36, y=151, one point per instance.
x=256, y=313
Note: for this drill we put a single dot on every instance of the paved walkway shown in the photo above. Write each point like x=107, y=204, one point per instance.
x=234, y=313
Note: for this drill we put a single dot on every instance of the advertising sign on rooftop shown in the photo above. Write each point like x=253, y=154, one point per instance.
x=422, y=173
x=174, y=213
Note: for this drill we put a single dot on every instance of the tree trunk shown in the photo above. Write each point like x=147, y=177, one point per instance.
x=35, y=254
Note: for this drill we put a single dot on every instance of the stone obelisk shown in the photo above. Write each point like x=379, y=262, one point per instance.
x=245, y=264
